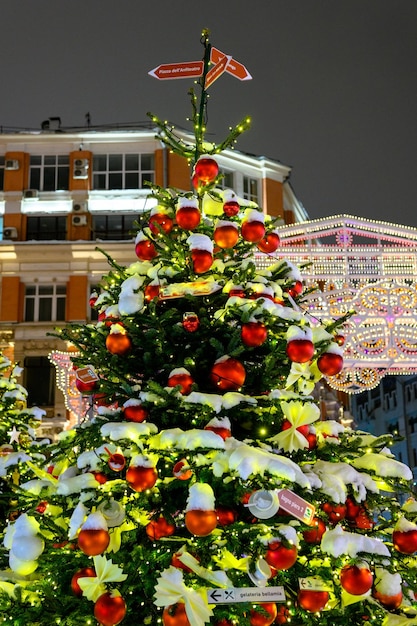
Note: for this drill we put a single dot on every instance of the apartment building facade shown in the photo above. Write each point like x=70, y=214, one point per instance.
x=64, y=193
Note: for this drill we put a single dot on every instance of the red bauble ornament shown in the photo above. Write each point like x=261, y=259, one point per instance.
x=352, y=508
x=300, y=350
x=183, y=379
x=202, y=260
x=206, y=169
x=388, y=602
x=312, y=601
x=228, y=374
x=330, y=363
x=145, y=250
x=188, y=217
x=85, y=572
x=339, y=339
x=253, y=334
x=200, y=523
x=363, y=520
x=223, y=432
x=356, y=580
x=41, y=508
x=405, y=542
x=86, y=387
x=151, y=292
x=158, y=528
x=110, y=608
x=181, y=470
x=252, y=230
x=118, y=343
x=226, y=515
x=190, y=322
x=141, y=478
x=231, y=208
x=296, y=289
x=312, y=440
x=279, y=557
x=269, y=243
x=175, y=615
x=237, y=292
x=260, y=619
x=282, y=615
x=135, y=413
x=226, y=236
x=93, y=541
x=93, y=299
x=335, y=512
x=100, y=477
x=116, y=462
x=160, y=221
x=304, y=429
x=315, y=532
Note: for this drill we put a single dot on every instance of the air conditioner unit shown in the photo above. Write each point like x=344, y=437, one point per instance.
x=11, y=164
x=80, y=172
x=31, y=194
x=79, y=220
x=79, y=207
x=81, y=163
x=10, y=233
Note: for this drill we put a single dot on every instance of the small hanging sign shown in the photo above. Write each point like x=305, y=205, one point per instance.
x=246, y=594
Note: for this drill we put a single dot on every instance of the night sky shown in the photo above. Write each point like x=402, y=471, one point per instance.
x=333, y=95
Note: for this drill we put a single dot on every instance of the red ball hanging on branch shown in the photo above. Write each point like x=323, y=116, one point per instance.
x=190, y=322
x=85, y=572
x=269, y=243
x=296, y=289
x=258, y=618
x=145, y=248
x=118, y=341
x=253, y=334
x=200, y=513
x=159, y=528
x=182, y=378
x=110, y=608
x=188, y=214
x=231, y=206
x=253, y=226
x=356, y=579
x=404, y=536
x=227, y=374
x=152, y=291
x=93, y=299
x=316, y=531
x=226, y=234
x=160, y=221
x=206, y=169
x=94, y=538
x=312, y=601
x=335, y=512
x=201, y=247
x=226, y=515
x=142, y=474
x=281, y=557
x=134, y=411
x=221, y=426
x=330, y=363
x=175, y=615
x=300, y=347
x=181, y=470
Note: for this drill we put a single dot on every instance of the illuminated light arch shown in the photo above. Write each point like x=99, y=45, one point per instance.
x=369, y=267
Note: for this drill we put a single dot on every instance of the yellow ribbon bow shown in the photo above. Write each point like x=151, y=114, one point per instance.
x=106, y=572
x=172, y=589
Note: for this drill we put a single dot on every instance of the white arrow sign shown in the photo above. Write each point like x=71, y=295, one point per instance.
x=245, y=594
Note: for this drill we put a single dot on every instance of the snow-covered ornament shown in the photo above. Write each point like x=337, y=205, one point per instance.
x=181, y=377
x=118, y=341
x=356, y=579
x=227, y=374
x=330, y=363
x=188, y=214
x=200, y=514
x=190, y=322
x=116, y=461
x=181, y=470
x=134, y=411
x=253, y=226
x=142, y=473
x=206, y=169
x=94, y=536
x=201, y=247
x=145, y=248
x=226, y=234
x=387, y=589
x=152, y=291
x=300, y=346
x=160, y=220
x=221, y=426
x=280, y=557
x=404, y=536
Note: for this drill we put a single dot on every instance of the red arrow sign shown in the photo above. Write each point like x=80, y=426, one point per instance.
x=217, y=70
x=234, y=68
x=190, y=69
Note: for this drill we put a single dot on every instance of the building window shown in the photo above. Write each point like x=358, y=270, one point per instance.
x=250, y=189
x=114, y=226
x=45, y=303
x=1, y=173
x=46, y=227
x=122, y=171
x=39, y=381
x=227, y=181
x=49, y=172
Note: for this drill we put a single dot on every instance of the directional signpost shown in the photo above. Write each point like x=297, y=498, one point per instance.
x=246, y=594
x=233, y=67
x=191, y=69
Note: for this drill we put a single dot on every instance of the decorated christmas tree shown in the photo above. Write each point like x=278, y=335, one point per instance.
x=203, y=486
x=18, y=433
